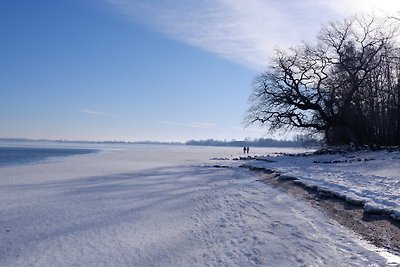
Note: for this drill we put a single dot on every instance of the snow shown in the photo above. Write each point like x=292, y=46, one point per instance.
x=163, y=206
x=371, y=178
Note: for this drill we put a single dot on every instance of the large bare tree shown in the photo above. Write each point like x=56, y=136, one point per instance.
x=336, y=86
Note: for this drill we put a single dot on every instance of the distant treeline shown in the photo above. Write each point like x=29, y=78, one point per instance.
x=300, y=141
x=90, y=142
x=261, y=142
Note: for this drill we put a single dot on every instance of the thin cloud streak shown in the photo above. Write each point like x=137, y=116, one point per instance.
x=92, y=112
x=205, y=125
x=246, y=32
x=105, y=114
x=250, y=130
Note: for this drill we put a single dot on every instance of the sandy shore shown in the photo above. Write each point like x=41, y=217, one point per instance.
x=380, y=230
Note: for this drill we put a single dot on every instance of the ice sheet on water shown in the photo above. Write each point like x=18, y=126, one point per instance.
x=153, y=206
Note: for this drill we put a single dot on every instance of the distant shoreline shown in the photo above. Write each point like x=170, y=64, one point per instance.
x=262, y=142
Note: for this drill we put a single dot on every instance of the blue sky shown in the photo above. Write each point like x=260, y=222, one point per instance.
x=145, y=70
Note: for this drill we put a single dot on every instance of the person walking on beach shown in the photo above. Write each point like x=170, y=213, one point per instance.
x=244, y=150
x=247, y=150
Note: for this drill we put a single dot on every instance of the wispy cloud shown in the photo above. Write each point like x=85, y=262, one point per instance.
x=250, y=130
x=376, y=7
x=93, y=112
x=246, y=32
x=206, y=125
x=104, y=114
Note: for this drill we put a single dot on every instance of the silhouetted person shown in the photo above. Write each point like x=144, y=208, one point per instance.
x=244, y=149
x=247, y=150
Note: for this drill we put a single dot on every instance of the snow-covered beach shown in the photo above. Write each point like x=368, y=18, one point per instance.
x=365, y=177
x=169, y=206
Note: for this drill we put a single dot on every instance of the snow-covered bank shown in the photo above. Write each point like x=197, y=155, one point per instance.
x=368, y=178
x=162, y=207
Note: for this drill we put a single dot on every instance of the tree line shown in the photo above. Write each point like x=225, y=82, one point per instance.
x=299, y=141
x=345, y=86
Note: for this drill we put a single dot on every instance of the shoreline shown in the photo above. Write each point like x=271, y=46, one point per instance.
x=379, y=229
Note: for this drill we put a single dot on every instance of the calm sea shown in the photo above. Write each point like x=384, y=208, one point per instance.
x=10, y=156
